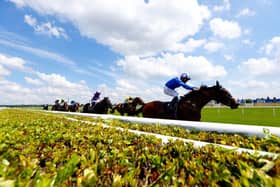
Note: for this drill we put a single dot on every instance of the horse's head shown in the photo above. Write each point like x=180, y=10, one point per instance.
x=108, y=102
x=224, y=97
x=138, y=101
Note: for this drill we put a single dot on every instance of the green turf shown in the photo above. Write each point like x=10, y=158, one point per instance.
x=250, y=116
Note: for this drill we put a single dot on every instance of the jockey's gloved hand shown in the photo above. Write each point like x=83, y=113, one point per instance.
x=195, y=88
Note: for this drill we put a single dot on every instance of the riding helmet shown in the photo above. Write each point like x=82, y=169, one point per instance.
x=185, y=76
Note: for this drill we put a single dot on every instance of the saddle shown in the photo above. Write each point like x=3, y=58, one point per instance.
x=171, y=107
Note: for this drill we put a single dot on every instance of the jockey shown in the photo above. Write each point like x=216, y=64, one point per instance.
x=95, y=98
x=62, y=102
x=127, y=101
x=172, y=84
x=56, y=102
x=72, y=102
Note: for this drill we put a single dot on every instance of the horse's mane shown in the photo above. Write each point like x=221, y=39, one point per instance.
x=138, y=99
x=194, y=92
x=104, y=100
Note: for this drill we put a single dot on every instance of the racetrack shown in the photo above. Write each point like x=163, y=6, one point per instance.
x=201, y=126
x=264, y=116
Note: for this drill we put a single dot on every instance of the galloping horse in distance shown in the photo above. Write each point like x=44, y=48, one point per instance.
x=190, y=105
x=74, y=108
x=58, y=107
x=101, y=107
x=131, y=109
x=46, y=107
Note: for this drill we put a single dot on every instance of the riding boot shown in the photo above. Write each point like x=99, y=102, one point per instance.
x=175, y=109
x=173, y=104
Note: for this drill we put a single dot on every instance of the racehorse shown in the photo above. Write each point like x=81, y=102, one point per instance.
x=190, y=105
x=59, y=107
x=74, y=108
x=101, y=107
x=129, y=108
x=46, y=107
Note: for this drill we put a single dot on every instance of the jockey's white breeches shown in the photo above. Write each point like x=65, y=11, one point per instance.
x=170, y=92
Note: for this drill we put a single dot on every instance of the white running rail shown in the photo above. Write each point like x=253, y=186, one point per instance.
x=248, y=130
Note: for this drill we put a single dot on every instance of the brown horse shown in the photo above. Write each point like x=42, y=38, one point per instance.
x=60, y=107
x=46, y=107
x=101, y=107
x=74, y=108
x=190, y=105
x=131, y=109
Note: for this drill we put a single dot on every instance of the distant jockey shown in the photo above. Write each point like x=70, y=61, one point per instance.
x=127, y=101
x=62, y=102
x=172, y=84
x=95, y=98
x=73, y=102
x=56, y=102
